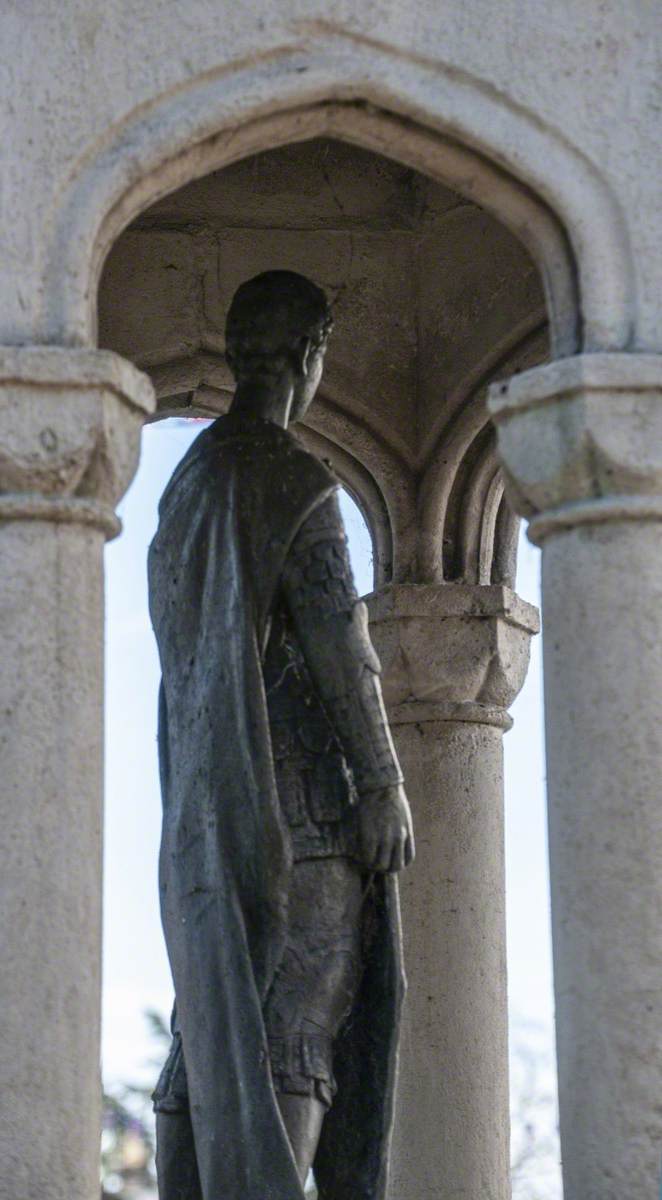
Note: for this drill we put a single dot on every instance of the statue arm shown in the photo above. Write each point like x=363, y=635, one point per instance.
x=332, y=627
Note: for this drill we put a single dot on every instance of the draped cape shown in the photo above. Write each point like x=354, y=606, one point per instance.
x=226, y=522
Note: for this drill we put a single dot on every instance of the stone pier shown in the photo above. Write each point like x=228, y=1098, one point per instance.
x=69, y=437
x=581, y=440
x=454, y=659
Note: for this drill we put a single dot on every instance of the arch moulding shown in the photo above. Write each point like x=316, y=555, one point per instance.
x=429, y=116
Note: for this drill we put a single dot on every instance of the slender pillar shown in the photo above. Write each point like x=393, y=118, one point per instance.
x=69, y=438
x=581, y=440
x=454, y=659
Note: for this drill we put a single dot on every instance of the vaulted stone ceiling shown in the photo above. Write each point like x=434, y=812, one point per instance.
x=432, y=296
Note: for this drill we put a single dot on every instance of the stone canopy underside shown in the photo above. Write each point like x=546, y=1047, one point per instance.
x=433, y=299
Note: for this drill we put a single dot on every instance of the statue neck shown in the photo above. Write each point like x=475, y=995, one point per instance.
x=271, y=401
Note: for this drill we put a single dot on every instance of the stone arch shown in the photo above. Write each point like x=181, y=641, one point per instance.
x=467, y=530
x=428, y=115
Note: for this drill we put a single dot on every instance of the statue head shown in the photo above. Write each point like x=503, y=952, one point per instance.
x=276, y=334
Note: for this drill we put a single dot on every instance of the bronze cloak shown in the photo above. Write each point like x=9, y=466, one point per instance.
x=227, y=520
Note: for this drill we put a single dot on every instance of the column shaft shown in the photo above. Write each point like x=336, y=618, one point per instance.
x=581, y=442
x=454, y=659
x=451, y=1135
x=602, y=605
x=51, y=614
x=69, y=437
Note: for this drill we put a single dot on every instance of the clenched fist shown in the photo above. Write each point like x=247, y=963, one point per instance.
x=386, y=834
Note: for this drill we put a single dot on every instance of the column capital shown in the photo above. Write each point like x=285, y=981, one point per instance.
x=70, y=423
x=580, y=440
x=451, y=652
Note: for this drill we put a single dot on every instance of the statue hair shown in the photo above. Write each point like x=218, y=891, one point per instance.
x=269, y=316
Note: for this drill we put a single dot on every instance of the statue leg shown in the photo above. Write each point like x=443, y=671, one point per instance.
x=302, y=1118
x=312, y=995
x=176, y=1166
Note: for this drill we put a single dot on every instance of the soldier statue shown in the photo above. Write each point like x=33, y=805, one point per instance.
x=284, y=814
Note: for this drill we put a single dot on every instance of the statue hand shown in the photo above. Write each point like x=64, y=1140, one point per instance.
x=386, y=834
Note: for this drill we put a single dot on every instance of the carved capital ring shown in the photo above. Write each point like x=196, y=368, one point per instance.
x=70, y=424
x=580, y=441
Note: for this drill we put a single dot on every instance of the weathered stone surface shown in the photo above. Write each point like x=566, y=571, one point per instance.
x=69, y=442
x=70, y=426
x=454, y=658
x=51, y=749
x=580, y=440
x=452, y=645
x=97, y=80
x=582, y=429
x=602, y=600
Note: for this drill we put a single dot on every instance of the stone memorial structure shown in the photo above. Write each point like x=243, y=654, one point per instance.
x=476, y=188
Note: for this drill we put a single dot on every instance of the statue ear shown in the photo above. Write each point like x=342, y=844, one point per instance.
x=302, y=355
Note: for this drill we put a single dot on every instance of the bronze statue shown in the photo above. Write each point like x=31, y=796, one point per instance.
x=284, y=815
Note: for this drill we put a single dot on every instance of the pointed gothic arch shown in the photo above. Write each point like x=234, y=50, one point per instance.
x=427, y=115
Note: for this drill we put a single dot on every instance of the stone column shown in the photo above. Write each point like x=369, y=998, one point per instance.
x=454, y=658
x=69, y=441
x=581, y=440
